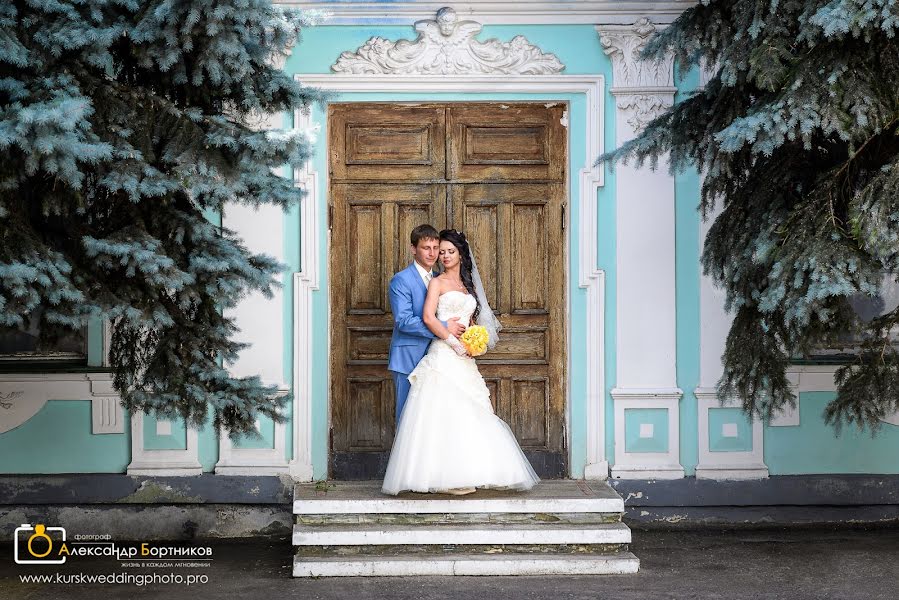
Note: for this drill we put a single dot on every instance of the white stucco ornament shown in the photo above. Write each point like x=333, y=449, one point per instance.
x=447, y=46
x=643, y=89
x=640, y=109
x=15, y=410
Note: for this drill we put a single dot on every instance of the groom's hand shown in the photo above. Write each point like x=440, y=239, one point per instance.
x=455, y=327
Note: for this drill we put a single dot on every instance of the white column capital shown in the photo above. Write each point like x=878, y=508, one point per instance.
x=623, y=45
x=643, y=89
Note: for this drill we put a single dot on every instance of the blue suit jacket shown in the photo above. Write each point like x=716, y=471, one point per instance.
x=411, y=337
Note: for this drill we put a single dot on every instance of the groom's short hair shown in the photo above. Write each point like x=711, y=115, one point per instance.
x=423, y=232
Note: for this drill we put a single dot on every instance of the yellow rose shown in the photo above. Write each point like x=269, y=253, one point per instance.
x=475, y=340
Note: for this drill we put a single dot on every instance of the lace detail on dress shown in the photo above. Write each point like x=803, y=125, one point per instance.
x=456, y=304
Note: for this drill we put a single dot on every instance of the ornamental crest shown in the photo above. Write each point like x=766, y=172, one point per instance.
x=447, y=46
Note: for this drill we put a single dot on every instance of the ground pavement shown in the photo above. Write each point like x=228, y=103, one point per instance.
x=789, y=564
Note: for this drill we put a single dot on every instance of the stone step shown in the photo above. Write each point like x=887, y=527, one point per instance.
x=365, y=497
x=582, y=518
x=475, y=534
x=460, y=564
x=425, y=550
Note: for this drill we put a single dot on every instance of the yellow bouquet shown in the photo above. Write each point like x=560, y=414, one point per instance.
x=475, y=340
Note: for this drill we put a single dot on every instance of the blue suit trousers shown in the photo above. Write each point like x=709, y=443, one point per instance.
x=401, y=385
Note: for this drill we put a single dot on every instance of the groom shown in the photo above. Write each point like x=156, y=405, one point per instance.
x=407, y=298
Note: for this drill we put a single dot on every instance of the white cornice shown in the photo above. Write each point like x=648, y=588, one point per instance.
x=590, y=12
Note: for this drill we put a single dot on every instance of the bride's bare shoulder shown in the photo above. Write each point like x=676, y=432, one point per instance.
x=440, y=283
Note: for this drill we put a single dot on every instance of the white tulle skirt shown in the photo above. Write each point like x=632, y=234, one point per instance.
x=448, y=435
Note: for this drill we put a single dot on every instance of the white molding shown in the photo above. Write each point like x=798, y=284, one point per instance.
x=593, y=280
x=26, y=395
x=647, y=465
x=707, y=72
x=162, y=462
x=590, y=277
x=405, y=12
x=253, y=461
x=788, y=416
x=305, y=282
x=106, y=332
x=447, y=46
x=811, y=378
x=814, y=378
x=727, y=465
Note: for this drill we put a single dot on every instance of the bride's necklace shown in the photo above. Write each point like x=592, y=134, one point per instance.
x=459, y=285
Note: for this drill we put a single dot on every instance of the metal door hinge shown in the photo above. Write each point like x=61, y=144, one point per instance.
x=564, y=207
x=330, y=216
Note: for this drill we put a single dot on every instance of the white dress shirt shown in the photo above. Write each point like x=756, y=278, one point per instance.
x=424, y=273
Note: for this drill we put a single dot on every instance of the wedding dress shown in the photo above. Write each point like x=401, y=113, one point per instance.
x=448, y=435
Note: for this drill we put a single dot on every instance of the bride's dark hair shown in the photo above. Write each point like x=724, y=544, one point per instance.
x=457, y=239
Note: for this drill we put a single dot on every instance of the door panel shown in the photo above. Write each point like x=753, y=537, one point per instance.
x=503, y=185
x=506, y=143
x=366, y=251
x=387, y=142
x=522, y=248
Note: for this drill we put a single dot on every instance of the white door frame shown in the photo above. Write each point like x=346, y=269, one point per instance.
x=590, y=277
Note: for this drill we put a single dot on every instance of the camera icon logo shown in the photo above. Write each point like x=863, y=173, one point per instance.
x=34, y=545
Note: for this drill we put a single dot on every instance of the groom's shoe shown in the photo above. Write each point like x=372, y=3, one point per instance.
x=461, y=491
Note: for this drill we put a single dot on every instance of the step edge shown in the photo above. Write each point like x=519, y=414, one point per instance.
x=462, y=564
x=395, y=527
x=427, y=506
x=412, y=537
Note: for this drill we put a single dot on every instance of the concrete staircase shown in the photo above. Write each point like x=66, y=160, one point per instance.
x=564, y=527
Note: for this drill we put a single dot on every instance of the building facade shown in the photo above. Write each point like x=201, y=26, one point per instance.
x=487, y=116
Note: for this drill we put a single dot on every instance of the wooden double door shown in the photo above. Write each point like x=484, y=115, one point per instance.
x=493, y=171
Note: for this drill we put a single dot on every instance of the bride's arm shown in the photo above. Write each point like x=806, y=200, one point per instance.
x=429, y=312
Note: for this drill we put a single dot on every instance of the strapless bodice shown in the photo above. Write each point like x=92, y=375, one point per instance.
x=456, y=304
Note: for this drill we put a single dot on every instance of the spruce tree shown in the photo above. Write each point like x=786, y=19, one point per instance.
x=796, y=136
x=123, y=125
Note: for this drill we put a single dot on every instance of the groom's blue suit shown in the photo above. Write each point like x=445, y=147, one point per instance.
x=411, y=336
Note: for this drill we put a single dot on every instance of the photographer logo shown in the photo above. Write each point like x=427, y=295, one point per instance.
x=39, y=545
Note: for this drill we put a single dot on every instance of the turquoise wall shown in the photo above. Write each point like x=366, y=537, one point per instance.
x=58, y=439
x=45, y=443
x=687, y=277
x=815, y=447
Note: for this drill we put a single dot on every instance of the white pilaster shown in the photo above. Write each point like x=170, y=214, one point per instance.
x=749, y=464
x=260, y=323
x=646, y=348
x=712, y=338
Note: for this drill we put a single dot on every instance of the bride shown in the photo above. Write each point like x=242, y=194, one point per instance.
x=448, y=438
